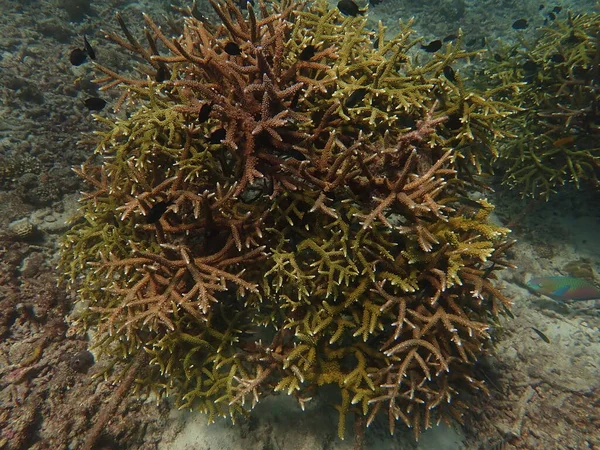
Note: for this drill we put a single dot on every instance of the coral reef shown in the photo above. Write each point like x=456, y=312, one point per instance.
x=283, y=208
x=557, y=133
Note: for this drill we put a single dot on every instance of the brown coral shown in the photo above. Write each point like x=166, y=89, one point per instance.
x=287, y=240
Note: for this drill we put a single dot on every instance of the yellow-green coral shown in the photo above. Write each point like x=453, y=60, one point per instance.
x=557, y=132
x=296, y=235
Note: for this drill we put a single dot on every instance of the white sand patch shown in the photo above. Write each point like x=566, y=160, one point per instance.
x=278, y=423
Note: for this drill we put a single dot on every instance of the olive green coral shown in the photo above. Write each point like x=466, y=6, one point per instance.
x=256, y=226
x=557, y=132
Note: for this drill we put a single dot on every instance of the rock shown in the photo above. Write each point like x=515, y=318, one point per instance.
x=22, y=229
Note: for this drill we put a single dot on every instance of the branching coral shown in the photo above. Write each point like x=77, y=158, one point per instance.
x=278, y=213
x=557, y=131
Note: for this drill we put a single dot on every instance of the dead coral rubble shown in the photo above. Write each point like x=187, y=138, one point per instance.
x=274, y=217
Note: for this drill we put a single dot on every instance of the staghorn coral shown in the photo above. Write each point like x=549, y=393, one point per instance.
x=271, y=218
x=556, y=134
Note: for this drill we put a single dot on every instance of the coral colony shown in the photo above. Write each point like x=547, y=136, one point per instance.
x=558, y=130
x=283, y=209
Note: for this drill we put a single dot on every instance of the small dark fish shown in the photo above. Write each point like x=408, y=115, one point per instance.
x=508, y=311
x=488, y=271
x=88, y=48
x=162, y=73
x=541, y=335
x=450, y=37
x=520, y=24
x=529, y=66
x=551, y=16
x=231, y=48
x=454, y=122
x=81, y=361
x=477, y=42
x=530, y=70
x=557, y=58
x=94, y=103
x=557, y=9
x=242, y=4
x=296, y=154
x=217, y=136
x=498, y=57
x=157, y=211
x=449, y=73
x=77, y=57
x=355, y=97
x=349, y=8
x=473, y=204
x=307, y=53
x=433, y=46
x=541, y=7
x=295, y=99
x=196, y=14
x=204, y=113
